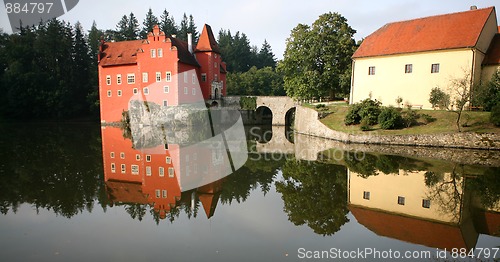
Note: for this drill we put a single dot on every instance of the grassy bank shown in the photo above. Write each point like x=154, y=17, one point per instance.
x=472, y=121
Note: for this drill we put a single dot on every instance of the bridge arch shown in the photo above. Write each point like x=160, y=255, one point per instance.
x=279, y=106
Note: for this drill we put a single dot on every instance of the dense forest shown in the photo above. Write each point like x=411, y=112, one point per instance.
x=49, y=71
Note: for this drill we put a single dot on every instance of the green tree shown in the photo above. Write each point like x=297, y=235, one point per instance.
x=193, y=30
x=488, y=94
x=149, y=22
x=265, y=57
x=317, y=59
x=127, y=28
x=315, y=194
x=184, y=28
x=167, y=23
x=258, y=82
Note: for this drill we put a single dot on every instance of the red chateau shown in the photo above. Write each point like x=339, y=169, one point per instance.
x=160, y=69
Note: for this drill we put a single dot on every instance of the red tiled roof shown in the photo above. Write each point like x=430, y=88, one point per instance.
x=448, y=31
x=493, y=55
x=413, y=230
x=487, y=222
x=120, y=53
x=206, y=42
x=125, y=192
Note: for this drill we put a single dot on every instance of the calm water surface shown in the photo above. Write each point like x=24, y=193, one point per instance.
x=76, y=192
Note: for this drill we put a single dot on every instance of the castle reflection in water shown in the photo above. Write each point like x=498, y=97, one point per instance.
x=416, y=202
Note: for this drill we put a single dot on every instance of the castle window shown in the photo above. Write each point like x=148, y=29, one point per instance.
x=165, y=103
x=170, y=172
x=135, y=90
x=131, y=78
x=185, y=90
x=112, y=154
x=157, y=192
x=185, y=77
x=148, y=158
x=166, y=89
x=122, y=155
x=109, y=93
x=168, y=160
x=137, y=157
x=158, y=77
x=148, y=171
x=434, y=68
x=146, y=90
x=408, y=68
x=168, y=76
x=134, y=169
x=123, y=168
x=193, y=79
x=153, y=53
x=119, y=79
x=426, y=203
x=203, y=77
x=119, y=92
x=401, y=200
x=108, y=80
x=193, y=91
x=161, y=171
x=160, y=52
x=113, y=168
x=371, y=70
x=145, y=77
x=366, y=195
x=164, y=193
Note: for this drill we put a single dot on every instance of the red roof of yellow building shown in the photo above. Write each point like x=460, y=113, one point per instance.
x=448, y=31
x=206, y=42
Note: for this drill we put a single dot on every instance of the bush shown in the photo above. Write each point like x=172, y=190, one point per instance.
x=495, y=115
x=437, y=97
x=410, y=118
x=369, y=109
x=390, y=118
x=365, y=124
x=318, y=106
x=428, y=118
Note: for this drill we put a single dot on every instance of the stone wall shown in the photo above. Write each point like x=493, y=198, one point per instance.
x=307, y=122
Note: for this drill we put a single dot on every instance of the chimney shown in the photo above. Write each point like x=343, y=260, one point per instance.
x=473, y=7
x=190, y=43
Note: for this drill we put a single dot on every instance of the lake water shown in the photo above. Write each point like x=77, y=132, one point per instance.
x=79, y=192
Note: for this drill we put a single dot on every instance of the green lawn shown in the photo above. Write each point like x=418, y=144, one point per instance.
x=445, y=122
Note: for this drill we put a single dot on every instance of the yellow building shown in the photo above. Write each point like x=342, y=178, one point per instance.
x=408, y=59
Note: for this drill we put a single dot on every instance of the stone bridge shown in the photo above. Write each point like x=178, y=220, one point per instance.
x=281, y=107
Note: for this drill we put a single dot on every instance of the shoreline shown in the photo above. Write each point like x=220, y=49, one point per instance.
x=307, y=123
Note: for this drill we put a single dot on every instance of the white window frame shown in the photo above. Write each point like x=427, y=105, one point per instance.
x=137, y=157
x=119, y=92
x=166, y=89
x=113, y=168
x=186, y=90
x=168, y=76
x=123, y=168
x=171, y=172
x=153, y=53
x=185, y=77
x=435, y=68
x=193, y=91
x=168, y=160
x=145, y=77
x=131, y=79
x=408, y=68
x=118, y=79
x=134, y=169
x=165, y=102
x=108, y=80
x=161, y=171
x=109, y=93
x=158, y=193
x=158, y=76
x=148, y=171
x=148, y=158
x=135, y=91
x=112, y=154
x=204, y=77
x=371, y=70
x=193, y=79
x=145, y=90
x=122, y=155
x=160, y=52
x=164, y=193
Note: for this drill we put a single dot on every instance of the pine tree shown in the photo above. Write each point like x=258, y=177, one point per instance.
x=167, y=24
x=266, y=57
x=133, y=28
x=149, y=22
x=183, y=30
x=193, y=30
x=121, y=29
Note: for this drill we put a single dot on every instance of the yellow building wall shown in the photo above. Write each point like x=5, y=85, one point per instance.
x=391, y=81
x=385, y=189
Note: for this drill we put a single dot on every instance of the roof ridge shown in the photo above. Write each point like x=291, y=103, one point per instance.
x=440, y=15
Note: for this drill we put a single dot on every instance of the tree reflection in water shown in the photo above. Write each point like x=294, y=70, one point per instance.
x=315, y=194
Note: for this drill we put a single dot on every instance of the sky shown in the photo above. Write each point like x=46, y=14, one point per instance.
x=260, y=20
